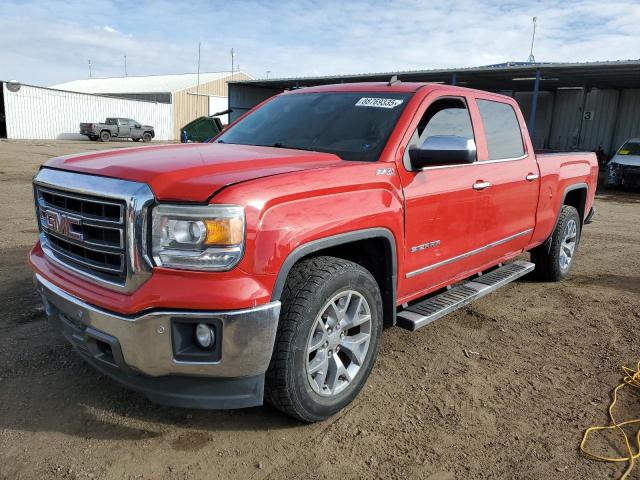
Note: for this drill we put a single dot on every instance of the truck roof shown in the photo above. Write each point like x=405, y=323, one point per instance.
x=398, y=87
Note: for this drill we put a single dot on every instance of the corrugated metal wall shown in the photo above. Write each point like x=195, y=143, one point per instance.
x=565, y=121
x=544, y=113
x=628, y=119
x=41, y=113
x=598, y=119
x=193, y=102
x=243, y=98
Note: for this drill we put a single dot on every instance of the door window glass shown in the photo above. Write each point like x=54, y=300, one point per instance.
x=501, y=129
x=446, y=116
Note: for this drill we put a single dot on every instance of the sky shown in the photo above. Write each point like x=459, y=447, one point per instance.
x=49, y=42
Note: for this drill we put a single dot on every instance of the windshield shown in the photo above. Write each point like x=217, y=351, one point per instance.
x=354, y=126
x=630, y=148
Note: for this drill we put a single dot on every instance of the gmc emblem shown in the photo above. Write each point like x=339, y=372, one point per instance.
x=60, y=223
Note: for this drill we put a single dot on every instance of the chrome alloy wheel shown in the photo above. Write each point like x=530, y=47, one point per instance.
x=338, y=343
x=568, y=246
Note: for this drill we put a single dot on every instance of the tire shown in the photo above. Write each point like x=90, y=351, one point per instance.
x=146, y=137
x=555, y=257
x=105, y=136
x=295, y=383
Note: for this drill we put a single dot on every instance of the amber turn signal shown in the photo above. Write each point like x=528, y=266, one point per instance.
x=224, y=231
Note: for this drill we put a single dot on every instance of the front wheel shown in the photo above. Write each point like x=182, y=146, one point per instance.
x=327, y=339
x=146, y=137
x=554, y=258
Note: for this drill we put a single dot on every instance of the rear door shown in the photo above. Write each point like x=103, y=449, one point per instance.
x=506, y=181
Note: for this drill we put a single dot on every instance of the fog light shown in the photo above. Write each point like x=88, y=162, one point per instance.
x=205, y=336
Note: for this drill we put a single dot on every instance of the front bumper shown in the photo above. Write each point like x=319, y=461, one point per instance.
x=620, y=174
x=138, y=350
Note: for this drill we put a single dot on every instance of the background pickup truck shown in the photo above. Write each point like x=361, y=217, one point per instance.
x=118, y=128
x=264, y=265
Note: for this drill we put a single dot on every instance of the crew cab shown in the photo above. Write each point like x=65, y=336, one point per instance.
x=118, y=128
x=265, y=264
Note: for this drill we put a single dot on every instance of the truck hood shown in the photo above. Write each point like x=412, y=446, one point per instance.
x=193, y=172
x=628, y=160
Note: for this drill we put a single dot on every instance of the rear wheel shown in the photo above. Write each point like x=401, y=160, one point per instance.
x=146, y=137
x=105, y=136
x=554, y=259
x=327, y=339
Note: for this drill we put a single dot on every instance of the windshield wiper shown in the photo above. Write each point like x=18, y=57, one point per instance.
x=282, y=145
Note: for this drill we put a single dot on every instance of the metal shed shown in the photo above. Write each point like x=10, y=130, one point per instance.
x=568, y=106
x=30, y=112
x=191, y=95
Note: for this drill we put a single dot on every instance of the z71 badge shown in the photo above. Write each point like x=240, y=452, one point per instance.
x=389, y=172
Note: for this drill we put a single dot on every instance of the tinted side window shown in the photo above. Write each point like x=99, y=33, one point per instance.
x=451, y=120
x=502, y=130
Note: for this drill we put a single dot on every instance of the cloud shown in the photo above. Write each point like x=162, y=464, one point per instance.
x=51, y=42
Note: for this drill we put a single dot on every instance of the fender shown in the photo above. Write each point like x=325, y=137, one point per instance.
x=577, y=186
x=388, y=296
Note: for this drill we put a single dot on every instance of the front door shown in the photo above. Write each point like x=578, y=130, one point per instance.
x=124, y=130
x=441, y=207
x=136, y=129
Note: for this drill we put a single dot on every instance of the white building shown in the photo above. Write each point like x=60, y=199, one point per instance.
x=167, y=102
x=190, y=95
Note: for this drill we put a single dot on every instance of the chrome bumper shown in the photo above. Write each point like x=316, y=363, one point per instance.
x=143, y=344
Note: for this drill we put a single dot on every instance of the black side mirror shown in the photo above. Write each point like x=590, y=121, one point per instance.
x=443, y=150
x=138, y=125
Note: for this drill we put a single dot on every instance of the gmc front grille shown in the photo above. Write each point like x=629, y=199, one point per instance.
x=86, y=232
x=95, y=226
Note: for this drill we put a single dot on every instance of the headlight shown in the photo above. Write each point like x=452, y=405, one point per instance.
x=197, y=237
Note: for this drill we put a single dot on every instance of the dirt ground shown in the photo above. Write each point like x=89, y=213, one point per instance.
x=548, y=355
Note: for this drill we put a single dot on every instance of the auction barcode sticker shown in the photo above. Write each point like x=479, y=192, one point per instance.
x=378, y=102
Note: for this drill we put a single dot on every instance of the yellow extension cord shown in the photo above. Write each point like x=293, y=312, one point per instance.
x=631, y=378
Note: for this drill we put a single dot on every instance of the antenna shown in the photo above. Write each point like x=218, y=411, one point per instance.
x=232, y=57
x=532, y=59
x=198, y=84
x=393, y=80
x=90, y=69
x=268, y=72
x=125, y=66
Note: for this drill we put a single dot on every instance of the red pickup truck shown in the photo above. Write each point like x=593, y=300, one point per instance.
x=265, y=264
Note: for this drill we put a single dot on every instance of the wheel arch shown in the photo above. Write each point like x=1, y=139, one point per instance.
x=576, y=197
x=360, y=246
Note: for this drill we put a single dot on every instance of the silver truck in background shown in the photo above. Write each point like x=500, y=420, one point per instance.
x=117, y=128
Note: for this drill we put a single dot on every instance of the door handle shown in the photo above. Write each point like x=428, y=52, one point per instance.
x=481, y=185
x=531, y=177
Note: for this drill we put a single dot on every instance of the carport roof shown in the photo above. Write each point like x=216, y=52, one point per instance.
x=142, y=84
x=508, y=76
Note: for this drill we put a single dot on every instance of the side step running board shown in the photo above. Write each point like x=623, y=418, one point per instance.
x=423, y=313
